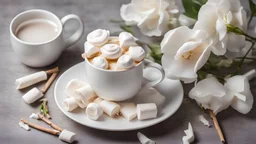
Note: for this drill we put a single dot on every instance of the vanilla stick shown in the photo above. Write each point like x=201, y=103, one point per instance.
x=47, y=130
x=49, y=82
x=49, y=123
x=51, y=71
x=217, y=126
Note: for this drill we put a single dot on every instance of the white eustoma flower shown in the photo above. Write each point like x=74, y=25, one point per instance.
x=240, y=88
x=151, y=16
x=184, y=52
x=211, y=94
x=213, y=17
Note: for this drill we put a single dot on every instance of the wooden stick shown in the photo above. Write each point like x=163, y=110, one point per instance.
x=49, y=123
x=51, y=71
x=217, y=126
x=49, y=82
x=47, y=130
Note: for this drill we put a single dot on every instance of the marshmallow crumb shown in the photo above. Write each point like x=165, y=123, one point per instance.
x=204, y=121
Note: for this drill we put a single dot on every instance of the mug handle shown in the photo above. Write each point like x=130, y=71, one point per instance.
x=79, y=32
x=148, y=63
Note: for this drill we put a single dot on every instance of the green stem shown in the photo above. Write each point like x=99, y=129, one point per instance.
x=250, y=20
x=248, y=36
x=249, y=58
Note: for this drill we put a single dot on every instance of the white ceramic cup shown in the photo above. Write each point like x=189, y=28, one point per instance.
x=120, y=85
x=45, y=53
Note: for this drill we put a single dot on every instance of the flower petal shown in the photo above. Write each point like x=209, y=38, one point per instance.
x=128, y=13
x=203, y=58
x=235, y=43
x=221, y=28
x=186, y=47
x=186, y=21
x=223, y=8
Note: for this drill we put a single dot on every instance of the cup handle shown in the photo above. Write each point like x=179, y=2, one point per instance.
x=79, y=32
x=150, y=84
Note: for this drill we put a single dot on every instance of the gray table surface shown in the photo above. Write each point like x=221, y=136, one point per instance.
x=238, y=128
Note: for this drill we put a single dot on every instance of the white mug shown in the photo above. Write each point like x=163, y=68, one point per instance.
x=120, y=85
x=45, y=53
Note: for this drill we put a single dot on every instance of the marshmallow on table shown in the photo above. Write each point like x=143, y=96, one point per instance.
x=93, y=111
x=67, y=136
x=137, y=53
x=111, y=51
x=34, y=116
x=98, y=37
x=30, y=79
x=146, y=111
x=144, y=140
x=110, y=108
x=189, y=138
x=128, y=110
x=90, y=50
x=32, y=95
x=100, y=62
x=126, y=40
x=24, y=126
x=70, y=104
x=124, y=62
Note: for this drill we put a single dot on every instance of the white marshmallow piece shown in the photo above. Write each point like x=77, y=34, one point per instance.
x=124, y=62
x=110, y=108
x=34, y=116
x=137, y=53
x=90, y=50
x=86, y=94
x=30, y=79
x=67, y=136
x=146, y=111
x=189, y=138
x=93, y=111
x=204, y=121
x=144, y=140
x=32, y=95
x=98, y=37
x=111, y=51
x=98, y=100
x=70, y=104
x=126, y=40
x=100, y=62
x=128, y=110
x=24, y=126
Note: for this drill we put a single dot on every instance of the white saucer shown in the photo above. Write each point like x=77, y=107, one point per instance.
x=171, y=89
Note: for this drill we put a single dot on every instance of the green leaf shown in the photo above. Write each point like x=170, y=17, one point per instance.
x=155, y=48
x=192, y=7
x=234, y=29
x=127, y=28
x=225, y=63
x=201, y=74
x=116, y=21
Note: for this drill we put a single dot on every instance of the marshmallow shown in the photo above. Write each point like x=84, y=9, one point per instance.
x=67, y=136
x=189, y=138
x=98, y=37
x=124, y=62
x=70, y=104
x=34, y=116
x=93, y=111
x=204, y=121
x=100, y=62
x=90, y=50
x=24, y=126
x=137, y=53
x=32, y=95
x=128, y=110
x=30, y=79
x=98, y=100
x=146, y=111
x=86, y=94
x=113, y=40
x=144, y=140
x=111, y=51
x=110, y=108
x=126, y=40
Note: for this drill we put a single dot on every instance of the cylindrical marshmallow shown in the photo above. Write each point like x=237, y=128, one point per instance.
x=30, y=79
x=126, y=40
x=98, y=37
x=98, y=100
x=90, y=50
x=67, y=136
x=73, y=85
x=137, y=53
x=110, y=108
x=32, y=95
x=70, y=104
x=100, y=62
x=93, y=111
x=124, y=62
x=146, y=111
x=86, y=94
x=111, y=51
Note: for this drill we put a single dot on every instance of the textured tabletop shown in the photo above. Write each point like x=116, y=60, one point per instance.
x=238, y=128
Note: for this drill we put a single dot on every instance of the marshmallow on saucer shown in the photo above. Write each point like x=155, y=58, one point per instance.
x=98, y=100
x=98, y=37
x=146, y=111
x=70, y=104
x=128, y=110
x=30, y=79
x=111, y=51
x=137, y=53
x=126, y=40
x=86, y=94
x=93, y=111
x=32, y=95
x=124, y=62
x=100, y=62
x=110, y=108
x=90, y=50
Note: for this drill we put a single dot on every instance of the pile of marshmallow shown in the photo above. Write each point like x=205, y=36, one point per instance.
x=80, y=94
x=102, y=48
